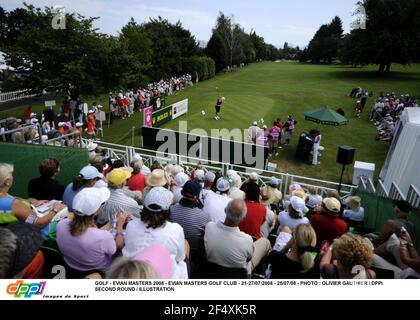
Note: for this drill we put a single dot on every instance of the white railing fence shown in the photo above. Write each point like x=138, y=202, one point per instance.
x=394, y=193
x=126, y=153
x=15, y=95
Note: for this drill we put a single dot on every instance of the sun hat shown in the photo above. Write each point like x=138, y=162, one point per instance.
x=137, y=157
x=266, y=196
x=92, y=146
x=299, y=193
x=332, y=204
x=88, y=201
x=118, y=176
x=158, y=197
x=157, y=178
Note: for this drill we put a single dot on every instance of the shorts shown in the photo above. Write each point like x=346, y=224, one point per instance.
x=218, y=109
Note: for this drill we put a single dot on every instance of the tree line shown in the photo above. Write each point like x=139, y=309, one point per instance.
x=80, y=60
x=388, y=32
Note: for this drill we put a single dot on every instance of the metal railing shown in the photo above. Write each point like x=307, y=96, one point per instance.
x=15, y=95
x=413, y=197
x=395, y=193
x=125, y=153
x=381, y=190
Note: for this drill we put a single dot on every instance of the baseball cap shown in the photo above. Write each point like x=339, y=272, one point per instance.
x=118, y=176
x=298, y=204
x=332, y=204
x=137, y=157
x=191, y=187
x=199, y=175
x=255, y=123
x=90, y=173
x=88, y=201
x=92, y=146
x=254, y=176
x=79, y=124
x=180, y=179
x=403, y=206
x=158, y=197
x=209, y=177
x=222, y=185
x=274, y=182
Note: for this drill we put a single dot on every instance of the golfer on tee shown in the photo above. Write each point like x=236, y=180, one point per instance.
x=219, y=103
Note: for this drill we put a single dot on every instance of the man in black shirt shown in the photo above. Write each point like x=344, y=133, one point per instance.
x=46, y=187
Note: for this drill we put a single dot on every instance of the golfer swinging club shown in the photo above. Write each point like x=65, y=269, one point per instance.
x=219, y=103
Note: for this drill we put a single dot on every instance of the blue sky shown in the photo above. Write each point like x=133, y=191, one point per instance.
x=277, y=21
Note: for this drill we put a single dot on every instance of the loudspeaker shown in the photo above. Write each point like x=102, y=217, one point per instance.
x=304, y=147
x=346, y=155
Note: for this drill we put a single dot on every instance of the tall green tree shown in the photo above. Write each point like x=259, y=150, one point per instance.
x=217, y=50
x=69, y=60
x=392, y=35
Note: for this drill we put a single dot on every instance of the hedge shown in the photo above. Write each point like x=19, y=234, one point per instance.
x=204, y=66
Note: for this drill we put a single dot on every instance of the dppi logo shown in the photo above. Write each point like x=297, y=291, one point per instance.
x=27, y=290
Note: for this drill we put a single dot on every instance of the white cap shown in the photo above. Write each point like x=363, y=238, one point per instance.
x=230, y=173
x=137, y=157
x=33, y=115
x=199, y=175
x=91, y=111
x=92, y=146
x=60, y=124
x=209, y=177
x=254, y=176
x=158, y=196
x=237, y=194
x=181, y=178
x=222, y=185
x=255, y=123
x=90, y=173
x=100, y=107
x=79, y=124
x=88, y=201
x=298, y=204
x=274, y=182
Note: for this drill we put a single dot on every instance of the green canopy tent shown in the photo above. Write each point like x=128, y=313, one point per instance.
x=326, y=116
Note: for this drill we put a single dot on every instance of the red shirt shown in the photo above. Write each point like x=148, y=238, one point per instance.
x=137, y=182
x=255, y=217
x=328, y=227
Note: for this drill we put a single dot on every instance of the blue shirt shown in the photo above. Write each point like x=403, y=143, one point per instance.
x=69, y=195
x=355, y=216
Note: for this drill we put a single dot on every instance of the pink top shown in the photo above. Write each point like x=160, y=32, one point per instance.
x=159, y=259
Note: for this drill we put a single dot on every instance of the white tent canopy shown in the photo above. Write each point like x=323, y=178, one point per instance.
x=403, y=163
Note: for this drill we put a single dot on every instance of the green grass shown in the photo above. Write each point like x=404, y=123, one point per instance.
x=275, y=90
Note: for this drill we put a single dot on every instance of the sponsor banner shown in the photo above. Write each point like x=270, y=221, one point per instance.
x=148, y=117
x=50, y=103
x=179, y=108
x=162, y=116
x=242, y=290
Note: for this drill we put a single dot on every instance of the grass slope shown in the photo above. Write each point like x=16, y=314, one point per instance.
x=274, y=90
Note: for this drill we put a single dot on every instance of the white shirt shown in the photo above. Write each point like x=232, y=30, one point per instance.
x=227, y=246
x=215, y=205
x=286, y=221
x=177, y=194
x=171, y=236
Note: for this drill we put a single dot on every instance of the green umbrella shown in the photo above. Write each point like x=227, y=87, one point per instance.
x=326, y=116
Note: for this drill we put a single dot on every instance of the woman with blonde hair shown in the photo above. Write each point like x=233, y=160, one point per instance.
x=13, y=209
x=296, y=260
x=124, y=268
x=347, y=258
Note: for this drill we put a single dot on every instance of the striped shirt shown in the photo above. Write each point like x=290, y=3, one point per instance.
x=193, y=220
x=118, y=202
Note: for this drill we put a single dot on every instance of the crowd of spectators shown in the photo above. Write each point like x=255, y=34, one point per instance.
x=171, y=221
